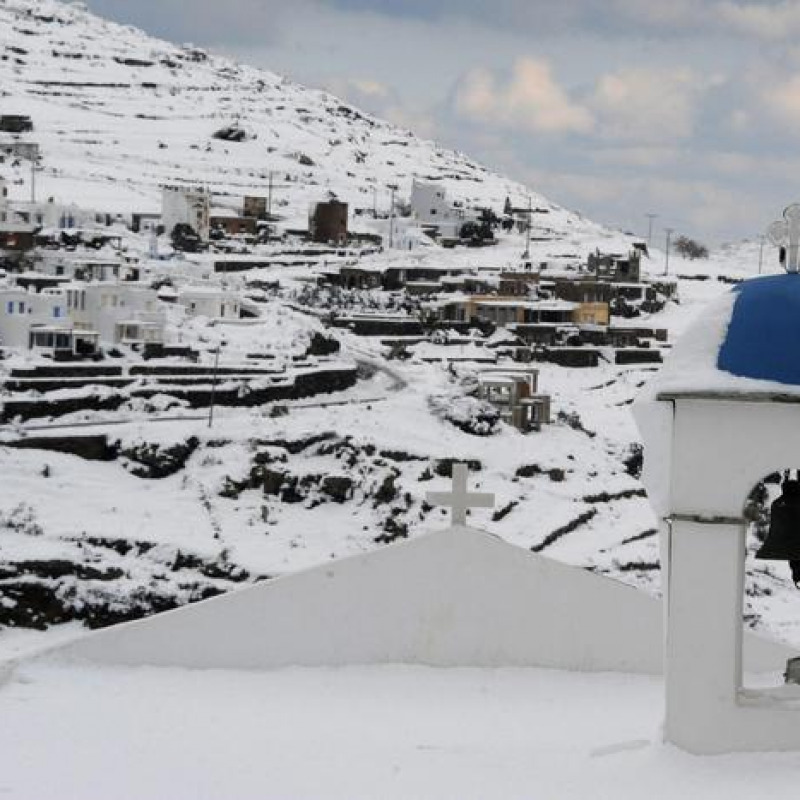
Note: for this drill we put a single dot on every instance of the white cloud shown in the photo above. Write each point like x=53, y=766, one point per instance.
x=381, y=100
x=369, y=87
x=530, y=100
x=648, y=105
x=783, y=101
x=764, y=20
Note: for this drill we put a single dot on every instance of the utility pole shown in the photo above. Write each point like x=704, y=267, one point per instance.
x=374, y=202
x=34, y=167
x=650, y=218
x=393, y=187
x=213, y=386
x=669, y=232
x=527, y=254
x=761, y=255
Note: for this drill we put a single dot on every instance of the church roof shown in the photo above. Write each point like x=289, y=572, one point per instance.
x=746, y=344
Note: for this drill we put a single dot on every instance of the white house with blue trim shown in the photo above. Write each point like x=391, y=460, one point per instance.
x=22, y=312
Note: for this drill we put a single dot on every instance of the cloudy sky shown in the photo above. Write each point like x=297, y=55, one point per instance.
x=685, y=108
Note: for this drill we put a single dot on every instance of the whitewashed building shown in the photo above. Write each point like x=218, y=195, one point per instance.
x=88, y=268
x=430, y=205
x=121, y=312
x=209, y=301
x=53, y=215
x=184, y=206
x=22, y=312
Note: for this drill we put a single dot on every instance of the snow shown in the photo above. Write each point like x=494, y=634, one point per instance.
x=694, y=365
x=453, y=598
x=81, y=733
x=100, y=129
x=112, y=133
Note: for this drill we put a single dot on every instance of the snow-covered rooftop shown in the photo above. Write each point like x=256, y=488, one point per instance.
x=744, y=344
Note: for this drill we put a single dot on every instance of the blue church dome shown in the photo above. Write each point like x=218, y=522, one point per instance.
x=763, y=337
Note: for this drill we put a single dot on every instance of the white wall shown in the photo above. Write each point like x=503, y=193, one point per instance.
x=54, y=215
x=705, y=456
x=430, y=205
x=455, y=598
x=101, y=306
x=21, y=310
x=186, y=206
x=209, y=303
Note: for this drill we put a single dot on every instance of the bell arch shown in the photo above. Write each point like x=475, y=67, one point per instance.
x=771, y=521
x=720, y=448
x=772, y=514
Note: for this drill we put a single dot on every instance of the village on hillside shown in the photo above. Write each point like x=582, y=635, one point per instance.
x=99, y=308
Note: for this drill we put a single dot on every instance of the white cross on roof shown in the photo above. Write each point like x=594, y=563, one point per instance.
x=786, y=233
x=459, y=499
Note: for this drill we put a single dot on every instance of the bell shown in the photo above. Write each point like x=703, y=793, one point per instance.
x=783, y=540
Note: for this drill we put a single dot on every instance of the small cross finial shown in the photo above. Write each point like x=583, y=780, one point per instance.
x=459, y=499
x=786, y=233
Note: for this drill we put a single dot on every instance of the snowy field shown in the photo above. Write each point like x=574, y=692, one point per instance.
x=80, y=733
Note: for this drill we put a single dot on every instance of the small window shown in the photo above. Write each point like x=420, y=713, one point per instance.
x=21, y=307
x=57, y=312
x=10, y=307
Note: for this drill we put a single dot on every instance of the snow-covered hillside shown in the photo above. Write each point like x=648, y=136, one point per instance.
x=118, y=114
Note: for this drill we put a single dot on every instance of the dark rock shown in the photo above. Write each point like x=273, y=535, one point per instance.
x=505, y=511
x=272, y=481
x=120, y=546
x=323, y=345
x=154, y=461
x=393, y=530
x=290, y=494
x=338, y=487
x=387, y=490
x=55, y=569
x=444, y=466
x=634, y=461
x=400, y=456
x=91, y=448
x=557, y=534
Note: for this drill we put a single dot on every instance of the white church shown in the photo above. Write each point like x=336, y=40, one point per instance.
x=455, y=665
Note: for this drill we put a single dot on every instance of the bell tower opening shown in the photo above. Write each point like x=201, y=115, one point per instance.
x=780, y=541
x=772, y=564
